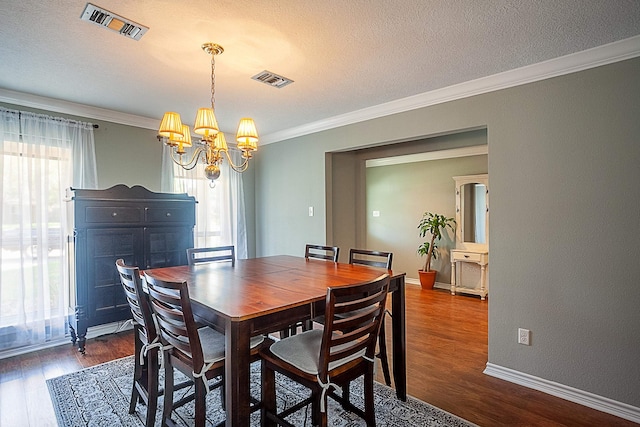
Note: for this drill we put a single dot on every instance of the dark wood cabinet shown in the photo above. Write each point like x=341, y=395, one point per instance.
x=144, y=228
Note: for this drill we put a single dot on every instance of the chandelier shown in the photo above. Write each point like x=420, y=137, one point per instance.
x=214, y=145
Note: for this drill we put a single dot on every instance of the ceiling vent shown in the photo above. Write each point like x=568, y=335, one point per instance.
x=106, y=19
x=272, y=79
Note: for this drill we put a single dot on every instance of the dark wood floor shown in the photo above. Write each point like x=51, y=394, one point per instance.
x=447, y=352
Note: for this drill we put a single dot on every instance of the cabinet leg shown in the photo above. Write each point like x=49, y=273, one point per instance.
x=483, y=278
x=74, y=337
x=453, y=278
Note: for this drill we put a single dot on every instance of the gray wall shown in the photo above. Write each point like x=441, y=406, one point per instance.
x=564, y=158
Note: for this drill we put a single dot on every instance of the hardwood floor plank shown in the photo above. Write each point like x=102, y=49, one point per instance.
x=13, y=407
x=447, y=352
x=446, y=356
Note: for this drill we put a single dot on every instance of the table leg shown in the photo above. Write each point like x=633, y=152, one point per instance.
x=237, y=360
x=399, y=339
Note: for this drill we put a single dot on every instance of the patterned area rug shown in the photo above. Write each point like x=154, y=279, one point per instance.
x=99, y=396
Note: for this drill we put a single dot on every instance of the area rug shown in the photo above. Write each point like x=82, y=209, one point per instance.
x=99, y=396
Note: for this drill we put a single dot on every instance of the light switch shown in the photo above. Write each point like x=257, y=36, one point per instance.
x=376, y=213
x=310, y=210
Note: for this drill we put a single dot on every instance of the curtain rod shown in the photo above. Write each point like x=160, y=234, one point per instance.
x=19, y=113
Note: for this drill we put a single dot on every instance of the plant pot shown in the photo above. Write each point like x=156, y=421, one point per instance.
x=427, y=278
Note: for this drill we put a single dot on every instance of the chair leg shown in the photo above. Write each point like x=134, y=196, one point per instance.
x=285, y=333
x=200, y=403
x=135, y=394
x=323, y=415
x=384, y=361
x=317, y=416
x=152, y=387
x=223, y=401
x=346, y=395
x=137, y=373
x=168, y=389
x=369, y=408
x=268, y=396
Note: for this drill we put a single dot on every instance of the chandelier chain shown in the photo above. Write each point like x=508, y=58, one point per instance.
x=213, y=81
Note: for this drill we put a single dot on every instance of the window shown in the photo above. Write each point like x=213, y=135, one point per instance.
x=220, y=218
x=39, y=158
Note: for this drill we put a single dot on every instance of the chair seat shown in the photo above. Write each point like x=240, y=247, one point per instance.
x=213, y=343
x=303, y=350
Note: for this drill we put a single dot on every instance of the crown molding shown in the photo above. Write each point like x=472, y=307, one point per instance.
x=474, y=150
x=76, y=109
x=590, y=58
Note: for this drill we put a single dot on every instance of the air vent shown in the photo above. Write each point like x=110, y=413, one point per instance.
x=106, y=19
x=272, y=79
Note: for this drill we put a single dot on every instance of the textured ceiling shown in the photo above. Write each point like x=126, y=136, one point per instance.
x=343, y=55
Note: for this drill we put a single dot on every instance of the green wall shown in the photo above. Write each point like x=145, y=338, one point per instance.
x=401, y=194
x=124, y=154
x=564, y=158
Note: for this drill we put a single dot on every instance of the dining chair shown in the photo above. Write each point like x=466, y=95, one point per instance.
x=146, y=343
x=329, y=253
x=199, y=353
x=211, y=254
x=372, y=258
x=382, y=260
x=323, y=359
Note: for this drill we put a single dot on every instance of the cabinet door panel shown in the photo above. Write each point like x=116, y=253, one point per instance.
x=166, y=246
x=106, y=299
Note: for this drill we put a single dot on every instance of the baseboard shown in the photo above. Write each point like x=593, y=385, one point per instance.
x=437, y=285
x=571, y=394
x=108, y=328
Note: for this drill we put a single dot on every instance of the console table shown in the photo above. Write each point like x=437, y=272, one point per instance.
x=481, y=258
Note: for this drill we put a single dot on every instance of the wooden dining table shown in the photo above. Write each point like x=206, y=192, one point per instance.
x=264, y=295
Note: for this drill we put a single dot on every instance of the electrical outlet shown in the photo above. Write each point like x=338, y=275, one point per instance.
x=524, y=336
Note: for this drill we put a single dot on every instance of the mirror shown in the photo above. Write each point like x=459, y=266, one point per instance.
x=474, y=212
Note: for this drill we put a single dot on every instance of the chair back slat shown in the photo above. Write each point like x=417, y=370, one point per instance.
x=357, y=304
x=371, y=258
x=172, y=307
x=329, y=253
x=352, y=321
x=137, y=299
x=212, y=254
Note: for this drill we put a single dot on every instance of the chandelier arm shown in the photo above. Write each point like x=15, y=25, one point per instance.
x=206, y=125
x=238, y=168
x=189, y=164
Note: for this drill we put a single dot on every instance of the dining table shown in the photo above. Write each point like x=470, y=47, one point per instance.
x=266, y=294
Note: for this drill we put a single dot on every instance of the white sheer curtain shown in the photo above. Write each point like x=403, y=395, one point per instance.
x=220, y=215
x=40, y=156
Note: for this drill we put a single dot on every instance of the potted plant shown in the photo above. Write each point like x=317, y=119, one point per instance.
x=432, y=226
